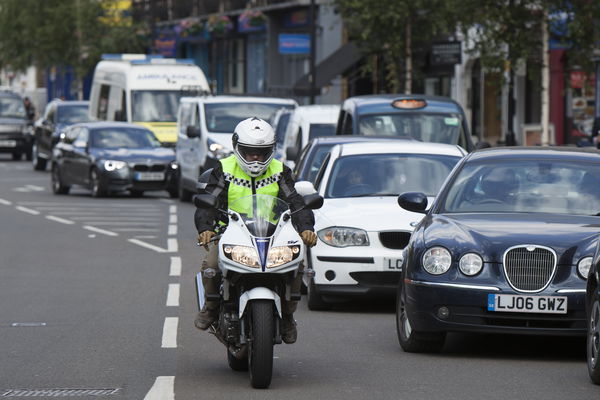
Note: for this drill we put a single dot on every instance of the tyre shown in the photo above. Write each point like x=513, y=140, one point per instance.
x=136, y=193
x=183, y=194
x=57, y=186
x=16, y=156
x=173, y=193
x=411, y=341
x=260, y=353
x=593, y=340
x=315, y=301
x=96, y=185
x=39, y=164
x=237, y=364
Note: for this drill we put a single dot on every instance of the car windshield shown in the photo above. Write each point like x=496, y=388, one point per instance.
x=313, y=164
x=318, y=130
x=388, y=174
x=532, y=186
x=128, y=138
x=12, y=107
x=223, y=117
x=155, y=105
x=426, y=127
x=72, y=114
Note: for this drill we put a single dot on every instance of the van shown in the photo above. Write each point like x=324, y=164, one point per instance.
x=145, y=90
x=205, y=125
x=426, y=118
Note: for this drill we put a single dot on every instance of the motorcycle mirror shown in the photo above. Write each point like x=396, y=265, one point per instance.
x=313, y=201
x=205, y=201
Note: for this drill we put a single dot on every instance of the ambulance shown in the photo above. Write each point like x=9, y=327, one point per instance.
x=144, y=89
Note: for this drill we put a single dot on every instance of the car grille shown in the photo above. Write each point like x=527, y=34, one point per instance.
x=394, y=240
x=529, y=268
x=149, y=168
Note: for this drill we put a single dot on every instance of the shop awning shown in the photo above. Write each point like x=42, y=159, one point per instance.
x=337, y=63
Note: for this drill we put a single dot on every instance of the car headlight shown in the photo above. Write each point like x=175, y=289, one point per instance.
x=583, y=267
x=242, y=254
x=342, y=237
x=173, y=165
x=217, y=150
x=111, y=165
x=281, y=255
x=470, y=264
x=437, y=260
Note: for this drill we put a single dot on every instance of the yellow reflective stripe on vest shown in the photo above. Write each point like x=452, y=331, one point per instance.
x=240, y=184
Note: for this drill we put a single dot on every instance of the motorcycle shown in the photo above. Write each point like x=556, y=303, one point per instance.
x=259, y=255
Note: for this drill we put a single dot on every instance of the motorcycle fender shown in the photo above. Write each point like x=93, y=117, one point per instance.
x=259, y=293
x=200, y=291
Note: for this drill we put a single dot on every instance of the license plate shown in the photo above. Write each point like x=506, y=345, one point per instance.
x=149, y=176
x=394, y=264
x=8, y=143
x=527, y=304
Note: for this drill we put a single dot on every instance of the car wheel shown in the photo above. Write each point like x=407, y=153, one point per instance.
x=136, y=193
x=28, y=155
x=593, y=342
x=411, y=341
x=315, y=301
x=57, y=186
x=184, y=195
x=96, y=185
x=16, y=156
x=39, y=164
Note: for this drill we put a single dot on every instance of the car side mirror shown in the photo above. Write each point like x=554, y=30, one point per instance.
x=313, y=201
x=413, y=201
x=291, y=153
x=205, y=200
x=192, y=131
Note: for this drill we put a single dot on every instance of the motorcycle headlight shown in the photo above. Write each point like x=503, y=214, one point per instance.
x=470, y=264
x=242, y=254
x=281, y=255
x=583, y=267
x=111, y=165
x=217, y=150
x=343, y=237
x=437, y=260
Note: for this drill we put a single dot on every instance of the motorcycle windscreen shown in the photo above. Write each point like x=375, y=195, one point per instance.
x=260, y=213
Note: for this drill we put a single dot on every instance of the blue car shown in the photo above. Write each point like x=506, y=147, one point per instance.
x=506, y=247
x=427, y=118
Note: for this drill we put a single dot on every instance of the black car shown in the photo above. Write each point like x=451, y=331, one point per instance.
x=109, y=157
x=14, y=129
x=505, y=248
x=312, y=156
x=58, y=115
x=592, y=301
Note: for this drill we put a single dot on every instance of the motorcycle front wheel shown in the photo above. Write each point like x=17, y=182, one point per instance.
x=260, y=360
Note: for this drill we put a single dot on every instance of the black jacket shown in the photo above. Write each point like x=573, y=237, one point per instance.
x=206, y=219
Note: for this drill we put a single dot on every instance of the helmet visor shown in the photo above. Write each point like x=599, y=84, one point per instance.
x=255, y=153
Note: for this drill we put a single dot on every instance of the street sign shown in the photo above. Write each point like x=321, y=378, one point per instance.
x=294, y=43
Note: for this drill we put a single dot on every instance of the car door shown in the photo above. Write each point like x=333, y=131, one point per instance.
x=184, y=151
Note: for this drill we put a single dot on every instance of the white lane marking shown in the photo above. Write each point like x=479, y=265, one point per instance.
x=169, y=337
x=136, y=230
x=35, y=188
x=144, y=237
x=172, y=229
x=166, y=201
x=27, y=210
x=172, y=246
x=172, y=209
x=5, y=202
x=119, y=218
x=147, y=245
x=61, y=220
x=173, y=219
x=175, y=269
x=163, y=389
x=79, y=205
x=21, y=190
x=98, y=230
x=173, y=295
x=133, y=223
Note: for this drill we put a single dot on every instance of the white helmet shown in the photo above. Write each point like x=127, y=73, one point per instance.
x=253, y=145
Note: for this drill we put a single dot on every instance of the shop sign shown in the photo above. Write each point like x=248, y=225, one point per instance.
x=294, y=43
x=445, y=54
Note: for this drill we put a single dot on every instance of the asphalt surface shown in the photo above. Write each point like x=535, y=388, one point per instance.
x=93, y=304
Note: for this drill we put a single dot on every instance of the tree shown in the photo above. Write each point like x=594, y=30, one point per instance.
x=63, y=33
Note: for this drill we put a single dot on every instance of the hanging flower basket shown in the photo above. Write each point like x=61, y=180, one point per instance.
x=219, y=24
x=189, y=27
x=255, y=18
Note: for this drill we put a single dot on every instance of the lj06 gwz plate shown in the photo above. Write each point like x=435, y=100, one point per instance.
x=527, y=304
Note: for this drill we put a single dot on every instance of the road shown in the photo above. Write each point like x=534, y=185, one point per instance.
x=97, y=300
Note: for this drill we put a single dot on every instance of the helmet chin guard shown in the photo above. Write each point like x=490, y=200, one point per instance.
x=253, y=137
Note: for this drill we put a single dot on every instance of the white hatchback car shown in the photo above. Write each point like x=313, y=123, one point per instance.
x=361, y=228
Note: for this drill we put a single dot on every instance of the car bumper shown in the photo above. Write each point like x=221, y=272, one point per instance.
x=467, y=306
x=120, y=180
x=16, y=143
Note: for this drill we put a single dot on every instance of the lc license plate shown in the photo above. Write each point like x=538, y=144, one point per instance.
x=393, y=264
x=8, y=143
x=149, y=176
x=527, y=304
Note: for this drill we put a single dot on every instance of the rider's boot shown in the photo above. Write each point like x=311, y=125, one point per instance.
x=289, y=333
x=206, y=317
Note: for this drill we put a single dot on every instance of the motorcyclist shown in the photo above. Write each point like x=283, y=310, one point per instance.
x=250, y=170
